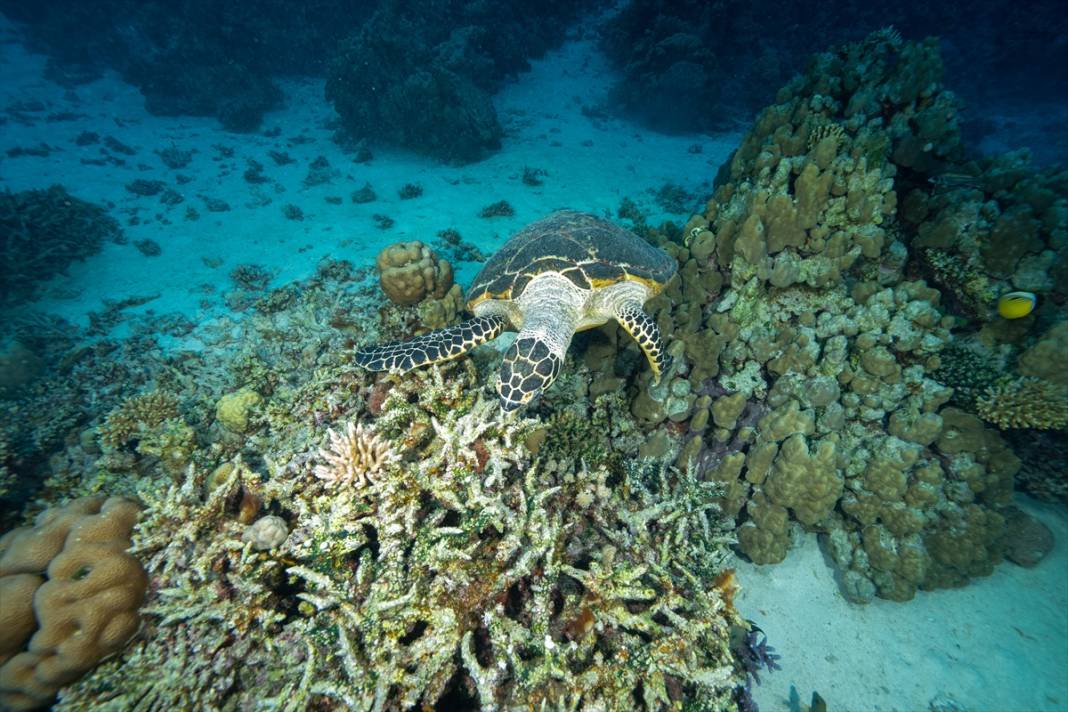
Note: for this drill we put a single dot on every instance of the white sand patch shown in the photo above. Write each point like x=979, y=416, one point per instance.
x=1000, y=643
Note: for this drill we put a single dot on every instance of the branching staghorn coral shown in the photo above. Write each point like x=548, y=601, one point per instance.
x=464, y=570
x=963, y=277
x=1025, y=402
x=213, y=607
x=471, y=562
x=470, y=568
x=136, y=414
x=543, y=607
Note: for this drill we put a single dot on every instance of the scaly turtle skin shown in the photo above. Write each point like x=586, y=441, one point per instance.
x=565, y=273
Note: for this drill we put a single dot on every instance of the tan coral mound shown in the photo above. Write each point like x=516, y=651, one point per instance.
x=1025, y=403
x=1048, y=358
x=69, y=578
x=409, y=272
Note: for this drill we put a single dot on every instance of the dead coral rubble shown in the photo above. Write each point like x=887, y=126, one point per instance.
x=466, y=569
x=42, y=232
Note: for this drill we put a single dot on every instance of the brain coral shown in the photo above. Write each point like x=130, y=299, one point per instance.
x=69, y=578
x=409, y=272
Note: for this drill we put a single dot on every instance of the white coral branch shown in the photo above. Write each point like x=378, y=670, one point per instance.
x=353, y=456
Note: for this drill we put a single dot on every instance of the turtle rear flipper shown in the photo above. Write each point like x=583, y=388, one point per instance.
x=644, y=330
x=435, y=347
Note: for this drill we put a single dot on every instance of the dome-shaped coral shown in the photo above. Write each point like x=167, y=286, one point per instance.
x=266, y=533
x=409, y=272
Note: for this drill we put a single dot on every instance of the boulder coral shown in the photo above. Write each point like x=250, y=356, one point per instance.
x=797, y=321
x=235, y=411
x=409, y=272
x=71, y=595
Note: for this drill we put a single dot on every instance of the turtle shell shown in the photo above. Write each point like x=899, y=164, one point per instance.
x=586, y=249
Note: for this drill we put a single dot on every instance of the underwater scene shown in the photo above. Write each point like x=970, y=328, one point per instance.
x=603, y=355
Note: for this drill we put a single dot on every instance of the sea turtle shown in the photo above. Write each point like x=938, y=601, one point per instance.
x=567, y=272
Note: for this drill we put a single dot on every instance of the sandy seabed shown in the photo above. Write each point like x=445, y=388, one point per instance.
x=998, y=644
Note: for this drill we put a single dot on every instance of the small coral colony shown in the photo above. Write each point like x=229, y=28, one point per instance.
x=863, y=338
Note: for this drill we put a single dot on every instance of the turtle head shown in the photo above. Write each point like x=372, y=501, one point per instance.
x=530, y=366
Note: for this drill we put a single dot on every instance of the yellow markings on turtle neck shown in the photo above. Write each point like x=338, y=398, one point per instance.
x=653, y=286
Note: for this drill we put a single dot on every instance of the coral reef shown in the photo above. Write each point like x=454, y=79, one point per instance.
x=71, y=594
x=478, y=564
x=499, y=209
x=181, y=66
x=989, y=227
x=808, y=389
x=7, y=478
x=969, y=369
x=1044, y=463
x=42, y=232
x=408, y=191
x=266, y=533
x=137, y=414
x=353, y=455
x=19, y=367
x=468, y=571
x=1027, y=540
x=1047, y=358
x=366, y=194
x=725, y=60
x=318, y=537
x=235, y=411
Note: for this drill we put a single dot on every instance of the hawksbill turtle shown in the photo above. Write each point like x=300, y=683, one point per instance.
x=567, y=272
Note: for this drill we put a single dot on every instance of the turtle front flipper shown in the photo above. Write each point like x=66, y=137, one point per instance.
x=644, y=330
x=435, y=347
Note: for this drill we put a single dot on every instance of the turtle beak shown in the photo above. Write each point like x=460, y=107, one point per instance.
x=514, y=400
x=528, y=368
x=509, y=406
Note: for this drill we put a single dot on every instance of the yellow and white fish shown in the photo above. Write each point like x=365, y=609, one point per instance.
x=1015, y=305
